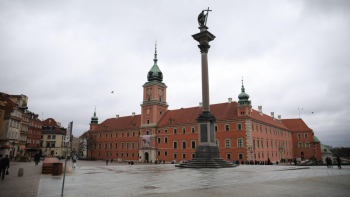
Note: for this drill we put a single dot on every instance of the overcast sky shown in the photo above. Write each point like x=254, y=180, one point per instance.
x=67, y=57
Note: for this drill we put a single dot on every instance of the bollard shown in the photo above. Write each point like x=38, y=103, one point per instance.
x=20, y=172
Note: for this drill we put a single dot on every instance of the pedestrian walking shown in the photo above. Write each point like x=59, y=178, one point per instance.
x=37, y=158
x=106, y=162
x=74, y=160
x=111, y=160
x=4, y=163
x=327, y=162
x=339, y=162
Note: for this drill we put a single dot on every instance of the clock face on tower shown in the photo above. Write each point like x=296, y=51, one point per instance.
x=149, y=91
x=160, y=92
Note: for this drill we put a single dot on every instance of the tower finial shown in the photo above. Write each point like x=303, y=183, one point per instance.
x=95, y=111
x=155, y=54
x=243, y=89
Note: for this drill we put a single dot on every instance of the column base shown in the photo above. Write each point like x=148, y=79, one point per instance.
x=207, y=152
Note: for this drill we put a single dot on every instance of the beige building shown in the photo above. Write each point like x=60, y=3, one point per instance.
x=53, y=139
x=21, y=101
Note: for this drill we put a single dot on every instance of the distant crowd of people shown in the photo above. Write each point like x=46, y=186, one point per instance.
x=266, y=162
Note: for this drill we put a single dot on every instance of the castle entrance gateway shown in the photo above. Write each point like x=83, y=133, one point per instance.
x=146, y=156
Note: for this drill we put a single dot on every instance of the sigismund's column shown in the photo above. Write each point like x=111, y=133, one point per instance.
x=207, y=148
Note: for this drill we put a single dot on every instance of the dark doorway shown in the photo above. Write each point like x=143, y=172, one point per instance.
x=302, y=155
x=146, y=157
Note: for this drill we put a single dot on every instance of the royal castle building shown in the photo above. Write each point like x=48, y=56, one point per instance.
x=242, y=133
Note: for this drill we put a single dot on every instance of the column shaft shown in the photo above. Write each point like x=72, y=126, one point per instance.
x=205, y=82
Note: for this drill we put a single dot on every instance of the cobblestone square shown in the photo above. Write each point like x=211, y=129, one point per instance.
x=94, y=178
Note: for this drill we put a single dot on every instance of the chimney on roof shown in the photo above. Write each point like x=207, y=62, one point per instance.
x=117, y=116
x=200, y=104
x=279, y=118
x=260, y=110
x=133, y=114
x=273, y=115
x=230, y=100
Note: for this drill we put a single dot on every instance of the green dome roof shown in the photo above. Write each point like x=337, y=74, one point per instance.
x=243, y=95
x=316, y=139
x=94, y=119
x=155, y=74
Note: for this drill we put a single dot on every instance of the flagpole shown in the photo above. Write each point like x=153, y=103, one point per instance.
x=65, y=164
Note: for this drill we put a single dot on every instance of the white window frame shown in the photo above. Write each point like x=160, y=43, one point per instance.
x=229, y=141
x=238, y=143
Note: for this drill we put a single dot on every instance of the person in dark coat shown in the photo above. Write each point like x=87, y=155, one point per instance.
x=36, y=158
x=295, y=161
x=4, y=163
x=327, y=162
x=268, y=161
x=339, y=162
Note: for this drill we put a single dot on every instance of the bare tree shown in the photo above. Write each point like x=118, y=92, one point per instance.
x=88, y=143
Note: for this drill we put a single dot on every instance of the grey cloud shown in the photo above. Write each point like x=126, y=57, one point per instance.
x=67, y=56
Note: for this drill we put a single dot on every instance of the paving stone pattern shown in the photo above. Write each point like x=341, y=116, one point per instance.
x=24, y=186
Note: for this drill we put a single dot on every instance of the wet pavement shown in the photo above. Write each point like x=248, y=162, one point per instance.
x=95, y=179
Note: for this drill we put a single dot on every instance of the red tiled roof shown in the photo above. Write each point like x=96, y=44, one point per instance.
x=221, y=111
x=47, y=122
x=296, y=124
x=267, y=119
x=85, y=134
x=8, y=108
x=53, y=123
x=9, y=105
x=120, y=123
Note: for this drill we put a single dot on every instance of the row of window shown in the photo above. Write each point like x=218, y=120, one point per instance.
x=281, y=144
x=14, y=123
x=175, y=144
x=110, y=154
x=116, y=145
x=305, y=135
x=12, y=135
x=51, y=137
x=17, y=114
x=34, y=132
x=33, y=140
x=23, y=138
x=273, y=131
x=307, y=145
x=273, y=154
x=175, y=131
x=34, y=125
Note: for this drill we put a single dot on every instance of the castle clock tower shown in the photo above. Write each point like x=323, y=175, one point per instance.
x=154, y=103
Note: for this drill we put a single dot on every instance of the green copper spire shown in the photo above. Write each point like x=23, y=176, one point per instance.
x=94, y=119
x=243, y=97
x=155, y=74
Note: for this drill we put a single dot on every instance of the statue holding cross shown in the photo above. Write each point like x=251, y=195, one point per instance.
x=202, y=18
